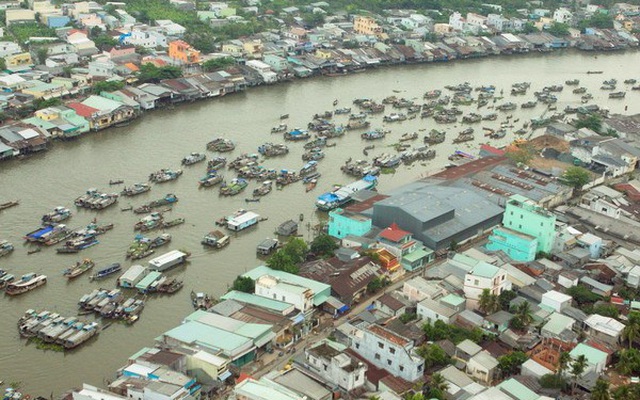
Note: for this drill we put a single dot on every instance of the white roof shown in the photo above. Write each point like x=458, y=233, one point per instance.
x=28, y=134
x=248, y=216
x=12, y=79
x=141, y=370
x=211, y=358
x=133, y=272
x=535, y=367
x=556, y=296
x=606, y=325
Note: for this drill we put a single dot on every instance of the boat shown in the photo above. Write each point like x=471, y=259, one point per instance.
x=273, y=149
x=215, y=239
x=572, y=82
x=211, y=179
x=594, y=72
x=630, y=81
x=193, y=158
x=529, y=104
x=394, y=117
x=116, y=182
x=136, y=189
x=463, y=137
x=335, y=198
x=314, y=154
x=171, y=286
x=201, y=301
x=149, y=222
x=9, y=204
x=107, y=271
x=58, y=214
x=5, y=248
x=267, y=246
x=78, y=269
x=173, y=222
x=287, y=228
x=6, y=280
x=374, y=135
x=509, y=106
x=284, y=116
x=343, y=110
x=617, y=95
x=309, y=168
x=96, y=200
x=279, y=128
x=221, y=145
x=387, y=160
x=324, y=115
x=319, y=142
x=409, y=136
x=165, y=175
x=25, y=284
x=263, y=189
x=169, y=198
x=432, y=94
x=241, y=219
x=434, y=137
x=499, y=134
x=580, y=90
x=76, y=244
x=311, y=185
x=49, y=234
x=216, y=163
x=236, y=186
x=84, y=334
x=311, y=177
x=168, y=260
x=297, y=134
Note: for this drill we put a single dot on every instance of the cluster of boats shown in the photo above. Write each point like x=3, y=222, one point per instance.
x=221, y=145
x=68, y=332
x=342, y=195
x=83, y=238
x=111, y=304
x=143, y=246
x=94, y=199
x=5, y=247
x=165, y=175
x=273, y=149
x=156, y=220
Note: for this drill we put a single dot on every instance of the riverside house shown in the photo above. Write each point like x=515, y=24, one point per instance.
x=102, y=112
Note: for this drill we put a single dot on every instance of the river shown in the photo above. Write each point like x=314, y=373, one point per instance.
x=162, y=138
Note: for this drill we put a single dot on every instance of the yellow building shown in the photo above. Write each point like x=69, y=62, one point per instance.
x=232, y=49
x=366, y=26
x=18, y=60
x=324, y=54
x=253, y=48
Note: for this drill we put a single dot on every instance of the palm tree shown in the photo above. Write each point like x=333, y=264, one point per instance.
x=437, y=386
x=523, y=313
x=632, y=330
x=624, y=393
x=577, y=368
x=601, y=390
x=488, y=302
x=563, y=362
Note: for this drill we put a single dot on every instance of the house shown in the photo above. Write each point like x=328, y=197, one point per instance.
x=387, y=350
x=418, y=289
x=560, y=327
x=534, y=369
x=390, y=305
x=251, y=389
x=523, y=215
x=518, y=246
x=482, y=366
x=389, y=264
x=596, y=359
x=81, y=42
x=431, y=311
x=555, y=300
x=270, y=287
x=9, y=48
x=170, y=28
x=181, y=51
x=606, y=329
x=329, y=360
x=343, y=223
x=366, y=26
x=484, y=276
x=466, y=349
x=413, y=255
x=18, y=62
x=264, y=70
x=102, y=112
x=24, y=139
x=60, y=122
x=18, y=16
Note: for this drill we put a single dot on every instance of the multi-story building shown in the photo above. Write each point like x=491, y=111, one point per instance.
x=518, y=246
x=328, y=359
x=524, y=216
x=484, y=276
x=182, y=51
x=411, y=253
x=343, y=223
x=387, y=350
x=271, y=287
x=366, y=26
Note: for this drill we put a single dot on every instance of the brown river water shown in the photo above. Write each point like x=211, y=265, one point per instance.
x=161, y=139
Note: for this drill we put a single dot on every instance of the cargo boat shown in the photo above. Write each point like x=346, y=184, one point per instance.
x=27, y=283
x=78, y=269
x=334, y=199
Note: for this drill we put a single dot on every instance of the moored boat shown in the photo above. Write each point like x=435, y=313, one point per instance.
x=297, y=134
x=330, y=200
x=211, y=179
x=136, y=189
x=215, y=239
x=236, y=186
x=263, y=189
x=58, y=214
x=25, y=284
x=78, y=269
x=193, y=158
x=107, y=271
x=221, y=145
x=165, y=175
x=9, y=204
x=5, y=248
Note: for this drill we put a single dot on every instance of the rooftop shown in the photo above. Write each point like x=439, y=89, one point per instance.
x=593, y=355
x=485, y=270
x=383, y=333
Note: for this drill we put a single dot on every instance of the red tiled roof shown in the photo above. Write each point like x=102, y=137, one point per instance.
x=242, y=377
x=492, y=150
x=396, y=384
x=394, y=233
x=393, y=338
x=469, y=168
x=82, y=110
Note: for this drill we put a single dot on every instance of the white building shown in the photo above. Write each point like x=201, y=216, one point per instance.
x=264, y=70
x=386, y=350
x=146, y=38
x=418, y=289
x=171, y=28
x=563, y=16
x=271, y=287
x=484, y=276
x=555, y=300
x=9, y=48
x=101, y=67
x=482, y=366
x=328, y=359
x=604, y=328
x=431, y=311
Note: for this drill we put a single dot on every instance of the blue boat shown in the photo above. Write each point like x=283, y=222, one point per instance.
x=334, y=199
x=109, y=270
x=38, y=234
x=297, y=134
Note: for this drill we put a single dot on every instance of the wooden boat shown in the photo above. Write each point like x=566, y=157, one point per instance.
x=215, y=239
x=193, y=158
x=34, y=251
x=136, y=189
x=221, y=145
x=6, y=280
x=201, y=301
x=5, y=248
x=236, y=186
x=594, y=72
x=211, y=179
x=165, y=175
x=617, y=95
x=26, y=283
x=107, y=271
x=9, y=204
x=116, y=182
x=171, y=287
x=263, y=189
x=78, y=269
x=279, y=128
x=173, y=222
x=284, y=116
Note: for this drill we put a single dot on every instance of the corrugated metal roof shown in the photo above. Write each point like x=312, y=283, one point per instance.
x=257, y=300
x=102, y=103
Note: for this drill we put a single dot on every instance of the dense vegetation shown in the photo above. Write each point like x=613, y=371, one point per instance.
x=440, y=331
x=22, y=32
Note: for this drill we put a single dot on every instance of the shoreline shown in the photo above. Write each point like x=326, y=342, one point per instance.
x=138, y=116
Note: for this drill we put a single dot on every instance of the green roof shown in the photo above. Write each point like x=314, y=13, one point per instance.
x=194, y=332
x=484, y=270
x=39, y=122
x=228, y=324
x=558, y=323
x=593, y=355
x=256, y=300
x=318, y=287
x=266, y=390
x=452, y=299
x=417, y=254
x=102, y=103
x=148, y=280
x=518, y=390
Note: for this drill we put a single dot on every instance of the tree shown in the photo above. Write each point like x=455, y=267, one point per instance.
x=376, y=284
x=591, y=121
x=39, y=104
x=601, y=390
x=627, y=392
x=552, y=381
x=488, y=302
x=529, y=28
x=632, y=330
x=313, y=19
x=323, y=245
x=437, y=387
x=3, y=64
x=107, y=86
x=216, y=64
x=150, y=73
x=434, y=356
x=103, y=41
x=505, y=299
x=563, y=362
x=510, y=363
x=521, y=154
x=297, y=249
x=523, y=313
x=576, y=177
x=408, y=317
x=607, y=310
x=577, y=369
x=244, y=284
x=282, y=262
x=41, y=55
x=628, y=361
x=582, y=295
x=558, y=29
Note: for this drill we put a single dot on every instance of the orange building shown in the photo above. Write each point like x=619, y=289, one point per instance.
x=181, y=50
x=366, y=26
x=390, y=264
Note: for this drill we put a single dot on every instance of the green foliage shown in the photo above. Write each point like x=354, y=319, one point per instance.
x=152, y=10
x=41, y=55
x=601, y=390
x=523, y=317
x=106, y=86
x=529, y=28
x=521, y=155
x=553, y=381
x=312, y=20
x=627, y=392
x=376, y=284
x=103, y=41
x=3, y=64
x=558, y=29
x=216, y=64
x=582, y=295
x=632, y=330
x=576, y=177
x=434, y=356
x=577, y=369
x=440, y=331
x=510, y=363
x=323, y=245
x=488, y=302
x=437, y=387
x=628, y=362
x=22, y=32
x=150, y=73
x=598, y=20
x=608, y=310
x=591, y=121
x=504, y=299
x=41, y=103
x=408, y=317
x=244, y=284
x=290, y=256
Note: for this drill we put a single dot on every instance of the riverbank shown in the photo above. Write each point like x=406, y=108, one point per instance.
x=119, y=114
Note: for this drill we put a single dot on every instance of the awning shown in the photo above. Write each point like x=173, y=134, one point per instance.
x=337, y=304
x=266, y=339
x=298, y=319
x=224, y=376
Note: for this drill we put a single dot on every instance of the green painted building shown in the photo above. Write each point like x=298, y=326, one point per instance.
x=518, y=246
x=525, y=216
x=344, y=223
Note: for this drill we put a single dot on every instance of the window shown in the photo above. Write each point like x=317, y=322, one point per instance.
x=521, y=216
x=401, y=368
x=519, y=226
x=511, y=212
x=381, y=345
x=392, y=350
x=274, y=296
x=325, y=367
x=389, y=362
x=476, y=282
x=419, y=368
x=377, y=356
x=541, y=223
x=357, y=345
